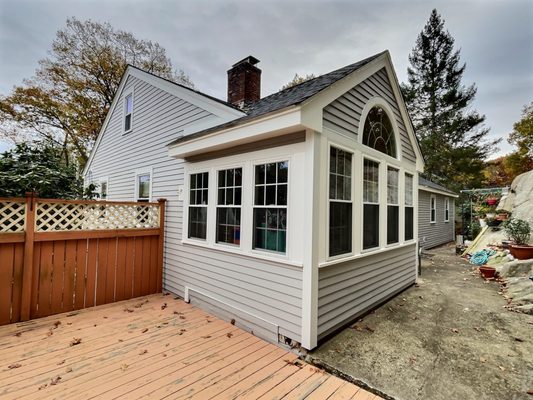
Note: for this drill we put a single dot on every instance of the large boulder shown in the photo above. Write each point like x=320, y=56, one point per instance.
x=519, y=200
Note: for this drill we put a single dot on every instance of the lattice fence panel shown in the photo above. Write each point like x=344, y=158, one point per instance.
x=12, y=216
x=91, y=216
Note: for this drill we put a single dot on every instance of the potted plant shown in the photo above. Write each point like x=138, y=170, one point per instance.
x=502, y=215
x=519, y=232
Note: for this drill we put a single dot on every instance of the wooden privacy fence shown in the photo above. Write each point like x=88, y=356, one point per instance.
x=64, y=255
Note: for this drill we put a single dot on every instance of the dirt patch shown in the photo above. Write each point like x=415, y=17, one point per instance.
x=449, y=337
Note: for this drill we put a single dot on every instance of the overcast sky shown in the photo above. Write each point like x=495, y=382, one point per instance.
x=204, y=38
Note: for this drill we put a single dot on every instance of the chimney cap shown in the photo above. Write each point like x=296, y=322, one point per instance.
x=247, y=60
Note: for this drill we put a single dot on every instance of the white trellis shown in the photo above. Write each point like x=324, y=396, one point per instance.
x=65, y=216
x=12, y=216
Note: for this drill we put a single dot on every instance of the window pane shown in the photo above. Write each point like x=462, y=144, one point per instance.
x=129, y=104
x=259, y=195
x=378, y=132
x=370, y=226
x=392, y=185
x=238, y=194
x=270, y=198
x=228, y=225
x=270, y=229
x=271, y=173
x=238, y=176
x=144, y=186
x=127, y=122
x=283, y=168
x=332, y=160
x=409, y=232
x=340, y=228
x=340, y=175
x=393, y=214
x=229, y=196
x=260, y=174
x=221, y=178
x=221, y=196
x=408, y=190
x=370, y=181
x=282, y=195
x=197, y=222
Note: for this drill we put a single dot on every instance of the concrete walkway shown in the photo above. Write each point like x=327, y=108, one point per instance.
x=450, y=337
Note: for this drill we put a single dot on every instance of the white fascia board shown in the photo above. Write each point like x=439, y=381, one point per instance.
x=224, y=113
x=263, y=128
x=437, y=191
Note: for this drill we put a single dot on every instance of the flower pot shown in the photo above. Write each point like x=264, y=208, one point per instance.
x=506, y=243
x=492, y=201
x=521, y=251
x=487, y=272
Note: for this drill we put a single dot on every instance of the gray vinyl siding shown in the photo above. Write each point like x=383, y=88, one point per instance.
x=343, y=115
x=440, y=232
x=260, y=295
x=349, y=289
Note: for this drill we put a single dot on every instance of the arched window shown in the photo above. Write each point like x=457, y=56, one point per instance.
x=378, y=132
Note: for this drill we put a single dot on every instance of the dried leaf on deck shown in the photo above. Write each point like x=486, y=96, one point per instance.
x=206, y=337
x=56, y=324
x=164, y=306
x=18, y=334
x=182, y=316
x=15, y=365
x=143, y=352
x=55, y=381
x=75, y=341
x=128, y=310
x=69, y=369
x=229, y=334
x=61, y=362
x=232, y=321
x=124, y=367
x=144, y=330
x=43, y=386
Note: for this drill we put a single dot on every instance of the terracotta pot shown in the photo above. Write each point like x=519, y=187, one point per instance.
x=521, y=252
x=487, y=272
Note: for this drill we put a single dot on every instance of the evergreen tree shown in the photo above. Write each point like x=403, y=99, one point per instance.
x=451, y=134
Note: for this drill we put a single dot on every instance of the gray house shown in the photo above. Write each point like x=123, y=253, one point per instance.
x=292, y=214
x=436, y=214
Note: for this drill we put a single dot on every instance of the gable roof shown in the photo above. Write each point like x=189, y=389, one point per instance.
x=426, y=184
x=220, y=108
x=285, y=98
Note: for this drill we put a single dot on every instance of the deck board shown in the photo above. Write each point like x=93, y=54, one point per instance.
x=153, y=347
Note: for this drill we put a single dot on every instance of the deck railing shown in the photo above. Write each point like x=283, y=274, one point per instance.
x=64, y=255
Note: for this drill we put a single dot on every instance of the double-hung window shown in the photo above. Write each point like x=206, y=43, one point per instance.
x=446, y=209
x=199, y=184
x=229, y=206
x=128, y=112
x=432, y=209
x=393, y=208
x=143, y=186
x=340, y=202
x=409, y=209
x=370, y=204
x=270, y=206
x=103, y=189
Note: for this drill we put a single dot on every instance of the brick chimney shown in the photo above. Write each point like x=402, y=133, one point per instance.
x=244, y=82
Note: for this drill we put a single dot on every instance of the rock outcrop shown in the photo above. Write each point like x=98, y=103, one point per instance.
x=519, y=201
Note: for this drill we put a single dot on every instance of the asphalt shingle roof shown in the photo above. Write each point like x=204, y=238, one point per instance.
x=433, y=185
x=285, y=98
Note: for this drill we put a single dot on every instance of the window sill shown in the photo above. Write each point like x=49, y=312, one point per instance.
x=127, y=132
x=240, y=252
x=366, y=253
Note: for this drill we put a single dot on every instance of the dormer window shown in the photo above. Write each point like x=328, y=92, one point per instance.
x=378, y=132
x=128, y=112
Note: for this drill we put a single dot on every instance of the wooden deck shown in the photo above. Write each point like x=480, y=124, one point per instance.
x=153, y=347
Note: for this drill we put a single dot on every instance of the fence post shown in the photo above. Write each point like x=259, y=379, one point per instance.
x=27, y=272
x=160, y=253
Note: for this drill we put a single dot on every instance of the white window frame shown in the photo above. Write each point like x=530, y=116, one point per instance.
x=207, y=206
x=397, y=204
x=432, y=209
x=446, y=209
x=380, y=163
x=351, y=201
x=127, y=94
x=140, y=172
x=254, y=206
x=217, y=206
x=105, y=180
x=410, y=204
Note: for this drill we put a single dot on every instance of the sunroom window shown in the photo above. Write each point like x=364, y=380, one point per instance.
x=378, y=132
x=198, y=201
x=270, y=206
x=409, y=209
x=229, y=206
x=340, y=202
x=393, y=208
x=370, y=204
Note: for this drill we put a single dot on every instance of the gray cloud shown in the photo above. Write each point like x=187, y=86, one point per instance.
x=205, y=38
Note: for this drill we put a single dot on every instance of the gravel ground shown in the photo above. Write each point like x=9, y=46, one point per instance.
x=448, y=337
